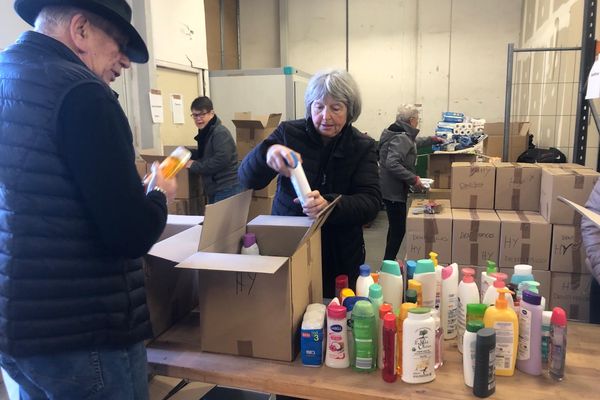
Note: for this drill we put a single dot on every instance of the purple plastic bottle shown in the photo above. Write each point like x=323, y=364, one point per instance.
x=529, y=355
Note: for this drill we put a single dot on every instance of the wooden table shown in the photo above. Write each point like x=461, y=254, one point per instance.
x=176, y=353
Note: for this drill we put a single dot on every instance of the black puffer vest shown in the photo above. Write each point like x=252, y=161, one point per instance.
x=60, y=289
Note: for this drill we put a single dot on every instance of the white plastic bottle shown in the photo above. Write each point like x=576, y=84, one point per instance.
x=249, y=245
x=449, y=303
x=392, y=285
x=487, y=279
x=299, y=180
x=467, y=294
x=363, y=281
x=418, y=346
x=433, y=256
x=469, y=340
x=336, y=355
x=425, y=273
x=489, y=299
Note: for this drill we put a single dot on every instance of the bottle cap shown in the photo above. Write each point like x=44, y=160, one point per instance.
x=523, y=269
x=424, y=266
x=415, y=285
x=486, y=337
x=336, y=312
x=531, y=298
x=475, y=325
x=341, y=281
x=411, y=296
x=501, y=301
x=433, y=256
x=559, y=317
x=389, y=321
x=491, y=267
x=468, y=275
x=513, y=290
x=384, y=309
x=546, y=316
x=375, y=277
x=420, y=310
x=447, y=272
x=500, y=279
x=350, y=302
x=249, y=239
x=404, y=309
x=365, y=270
x=532, y=286
x=411, y=265
x=476, y=311
x=346, y=292
x=390, y=267
x=375, y=291
x=363, y=308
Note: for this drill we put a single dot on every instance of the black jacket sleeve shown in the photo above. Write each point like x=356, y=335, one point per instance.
x=97, y=144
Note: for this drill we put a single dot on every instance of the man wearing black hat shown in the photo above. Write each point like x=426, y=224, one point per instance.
x=74, y=217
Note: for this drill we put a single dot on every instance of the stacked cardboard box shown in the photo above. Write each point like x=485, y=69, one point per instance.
x=475, y=236
x=473, y=185
x=429, y=232
x=439, y=167
x=518, y=139
x=517, y=186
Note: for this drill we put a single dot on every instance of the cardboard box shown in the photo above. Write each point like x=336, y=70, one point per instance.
x=493, y=145
x=543, y=277
x=524, y=239
x=475, y=236
x=260, y=206
x=251, y=130
x=439, y=167
x=140, y=166
x=562, y=165
x=193, y=206
x=572, y=293
x=188, y=185
x=171, y=293
x=473, y=185
x=429, y=232
x=251, y=305
x=517, y=186
x=574, y=184
x=267, y=191
x=568, y=253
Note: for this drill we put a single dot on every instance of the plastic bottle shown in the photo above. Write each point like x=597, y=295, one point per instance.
x=467, y=294
x=476, y=311
x=417, y=287
x=411, y=265
x=376, y=299
x=433, y=256
x=546, y=316
x=175, y=162
x=487, y=279
x=349, y=303
x=469, y=339
x=345, y=293
x=439, y=339
x=336, y=355
x=402, y=315
x=529, y=355
x=522, y=272
x=532, y=286
x=484, y=378
x=364, y=332
x=425, y=273
x=341, y=282
x=299, y=180
x=389, y=348
x=390, y=279
x=492, y=293
x=449, y=301
x=558, y=344
x=418, y=346
x=384, y=309
x=513, y=293
x=504, y=321
x=411, y=296
x=363, y=281
x=249, y=245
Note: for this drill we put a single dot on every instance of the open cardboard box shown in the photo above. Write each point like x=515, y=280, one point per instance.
x=250, y=305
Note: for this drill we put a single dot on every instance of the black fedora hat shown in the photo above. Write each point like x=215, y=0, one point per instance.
x=117, y=12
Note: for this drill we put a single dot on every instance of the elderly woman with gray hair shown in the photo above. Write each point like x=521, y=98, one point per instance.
x=397, y=171
x=338, y=161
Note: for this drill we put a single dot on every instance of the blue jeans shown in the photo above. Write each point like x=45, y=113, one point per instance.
x=116, y=374
x=225, y=193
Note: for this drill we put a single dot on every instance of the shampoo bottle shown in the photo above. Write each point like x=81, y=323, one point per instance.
x=449, y=303
x=529, y=355
x=487, y=279
x=390, y=279
x=433, y=256
x=503, y=320
x=336, y=355
x=469, y=350
x=492, y=292
x=363, y=281
x=349, y=303
x=484, y=379
x=364, y=332
x=467, y=294
x=418, y=346
x=425, y=273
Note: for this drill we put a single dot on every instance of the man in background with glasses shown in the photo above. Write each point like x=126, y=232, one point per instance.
x=74, y=216
x=216, y=157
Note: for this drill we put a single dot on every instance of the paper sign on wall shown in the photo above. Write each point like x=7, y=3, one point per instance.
x=156, y=106
x=177, y=108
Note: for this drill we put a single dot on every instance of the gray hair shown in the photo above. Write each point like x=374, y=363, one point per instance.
x=406, y=112
x=338, y=84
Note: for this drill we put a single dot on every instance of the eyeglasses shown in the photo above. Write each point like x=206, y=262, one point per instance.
x=200, y=114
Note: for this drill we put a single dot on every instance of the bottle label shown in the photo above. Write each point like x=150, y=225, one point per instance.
x=491, y=370
x=460, y=321
x=504, y=344
x=364, y=346
x=335, y=343
x=545, y=342
x=422, y=353
x=524, y=334
x=452, y=313
x=311, y=346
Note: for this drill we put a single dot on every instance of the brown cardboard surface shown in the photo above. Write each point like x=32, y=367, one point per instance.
x=568, y=253
x=574, y=184
x=188, y=185
x=267, y=191
x=475, y=236
x=518, y=139
x=251, y=130
x=524, y=239
x=572, y=293
x=517, y=186
x=562, y=165
x=439, y=167
x=260, y=206
x=429, y=232
x=140, y=166
x=473, y=185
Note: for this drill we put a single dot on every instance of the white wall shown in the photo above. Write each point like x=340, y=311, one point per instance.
x=11, y=25
x=449, y=55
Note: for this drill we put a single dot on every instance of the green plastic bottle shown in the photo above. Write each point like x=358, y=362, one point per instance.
x=364, y=334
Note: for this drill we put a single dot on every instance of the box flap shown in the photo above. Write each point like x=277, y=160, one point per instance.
x=242, y=115
x=245, y=120
x=233, y=262
x=190, y=220
x=150, y=158
x=178, y=247
x=272, y=120
x=281, y=220
x=319, y=221
x=225, y=223
x=248, y=124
